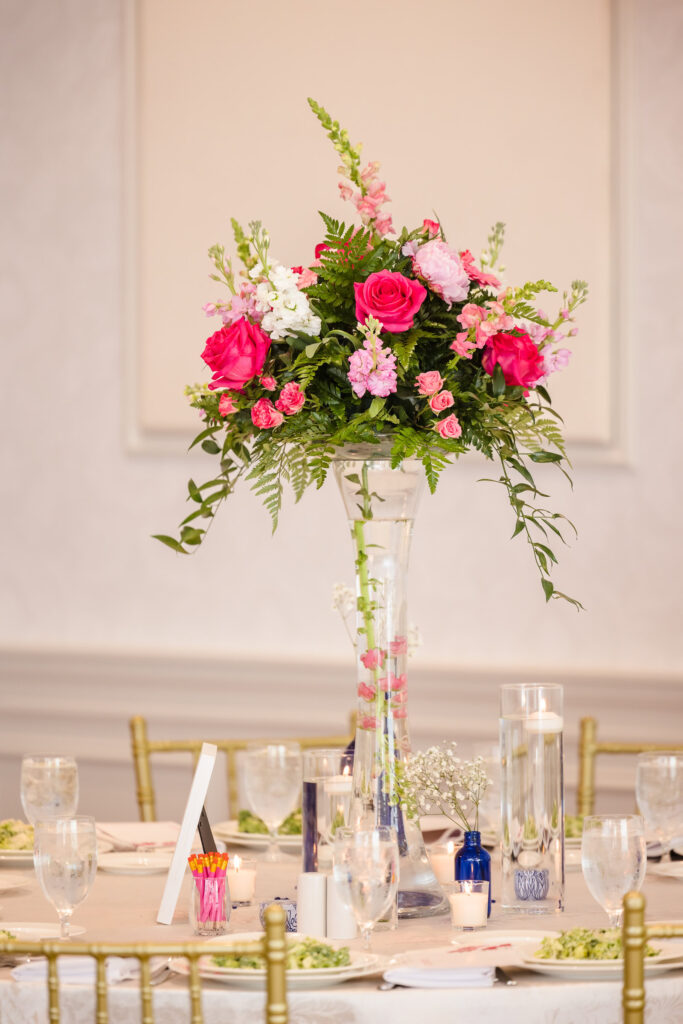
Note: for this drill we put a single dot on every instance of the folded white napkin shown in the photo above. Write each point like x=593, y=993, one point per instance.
x=440, y=977
x=79, y=970
x=138, y=835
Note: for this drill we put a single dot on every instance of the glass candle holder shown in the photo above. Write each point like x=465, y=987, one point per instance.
x=210, y=906
x=325, y=800
x=469, y=904
x=241, y=875
x=442, y=858
x=532, y=797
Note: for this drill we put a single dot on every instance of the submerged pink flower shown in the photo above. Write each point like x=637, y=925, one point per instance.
x=373, y=658
x=366, y=692
x=367, y=722
x=441, y=268
x=392, y=682
x=398, y=646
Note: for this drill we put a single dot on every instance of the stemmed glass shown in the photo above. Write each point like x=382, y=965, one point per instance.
x=49, y=787
x=65, y=858
x=659, y=793
x=365, y=867
x=272, y=783
x=613, y=858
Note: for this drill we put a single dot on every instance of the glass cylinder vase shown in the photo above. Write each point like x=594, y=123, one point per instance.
x=532, y=798
x=381, y=503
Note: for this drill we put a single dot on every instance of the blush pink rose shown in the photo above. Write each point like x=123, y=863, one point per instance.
x=449, y=428
x=236, y=354
x=366, y=692
x=429, y=383
x=265, y=415
x=291, y=399
x=444, y=399
x=391, y=298
x=226, y=405
x=441, y=268
x=518, y=358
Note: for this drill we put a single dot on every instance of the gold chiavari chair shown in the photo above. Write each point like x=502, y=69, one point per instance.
x=635, y=935
x=143, y=747
x=271, y=946
x=590, y=747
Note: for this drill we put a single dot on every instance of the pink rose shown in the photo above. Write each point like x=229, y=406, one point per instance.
x=391, y=298
x=398, y=646
x=441, y=268
x=429, y=383
x=264, y=415
x=236, y=354
x=374, y=658
x=432, y=227
x=450, y=427
x=518, y=358
x=291, y=399
x=269, y=383
x=226, y=405
x=444, y=399
x=366, y=692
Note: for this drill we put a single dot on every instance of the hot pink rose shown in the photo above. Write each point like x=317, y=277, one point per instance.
x=441, y=268
x=264, y=414
x=449, y=428
x=291, y=399
x=429, y=383
x=518, y=358
x=391, y=298
x=444, y=399
x=366, y=692
x=236, y=354
x=226, y=405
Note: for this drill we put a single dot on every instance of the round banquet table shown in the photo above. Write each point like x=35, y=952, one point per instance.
x=123, y=908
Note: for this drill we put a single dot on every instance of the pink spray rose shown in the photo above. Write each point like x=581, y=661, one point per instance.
x=441, y=268
x=517, y=356
x=444, y=399
x=391, y=298
x=236, y=354
x=226, y=405
x=264, y=414
x=449, y=428
x=429, y=383
x=269, y=383
x=291, y=399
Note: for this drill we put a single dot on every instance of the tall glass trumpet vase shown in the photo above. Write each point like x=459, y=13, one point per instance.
x=381, y=503
x=532, y=798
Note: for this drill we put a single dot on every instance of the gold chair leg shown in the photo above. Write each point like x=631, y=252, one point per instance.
x=633, y=939
x=143, y=774
x=53, y=987
x=102, y=1012
x=276, y=994
x=195, y=992
x=585, y=796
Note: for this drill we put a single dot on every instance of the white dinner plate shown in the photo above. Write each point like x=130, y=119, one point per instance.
x=362, y=965
x=229, y=832
x=16, y=858
x=486, y=948
x=34, y=931
x=669, y=959
x=668, y=869
x=153, y=863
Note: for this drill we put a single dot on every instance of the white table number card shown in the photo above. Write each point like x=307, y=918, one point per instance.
x=193, y=808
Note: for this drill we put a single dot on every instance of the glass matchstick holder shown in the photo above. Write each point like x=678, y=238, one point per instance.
x=210, y=906
x=532, y=798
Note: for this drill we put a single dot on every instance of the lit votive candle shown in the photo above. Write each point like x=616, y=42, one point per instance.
x=469, y=903
x=442, y=859
x=241, y=879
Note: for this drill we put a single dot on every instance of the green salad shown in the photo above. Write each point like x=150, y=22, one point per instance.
x=573, y=826
x=4, y=934
x=302, y=955
x=248, y=822
x=586, y=944
x=15, y=835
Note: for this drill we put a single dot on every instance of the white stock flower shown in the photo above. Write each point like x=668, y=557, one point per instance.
x=285, y=309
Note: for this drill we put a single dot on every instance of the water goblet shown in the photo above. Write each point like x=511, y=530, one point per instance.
x=613, y=858
x=272, y=783
x=65, y=858
x=49, y=787
x=659, y=794
x=365, y=868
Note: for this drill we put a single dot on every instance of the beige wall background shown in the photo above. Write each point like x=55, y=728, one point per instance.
x=96, y=620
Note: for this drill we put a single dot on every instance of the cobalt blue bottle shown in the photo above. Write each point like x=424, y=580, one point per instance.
x=473, y=862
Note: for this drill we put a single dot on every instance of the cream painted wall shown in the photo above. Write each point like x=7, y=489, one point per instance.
x=79, y=572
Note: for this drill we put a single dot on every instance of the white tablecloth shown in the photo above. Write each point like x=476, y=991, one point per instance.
x=121, y=908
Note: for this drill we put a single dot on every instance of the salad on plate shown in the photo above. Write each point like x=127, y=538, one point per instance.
x=15, y=835
x=586, y=944
x=302, y=955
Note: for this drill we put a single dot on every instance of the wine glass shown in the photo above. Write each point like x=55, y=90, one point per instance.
x=659, y=794
x=272, y=784
x=365, y=867
x=49, y=787
x=65, y=858
x=613, y=858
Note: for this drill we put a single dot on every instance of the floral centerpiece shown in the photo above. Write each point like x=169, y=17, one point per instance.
x=437, y=781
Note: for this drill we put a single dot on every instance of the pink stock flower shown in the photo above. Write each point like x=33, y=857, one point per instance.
x=264, y=415
x=269, y=383
x=449, y=428
x=471, y=315
x=236, y=354
x=461, y=346
x=372, y=368
x=384, y=225
x=210, y=309
x=307, y=277
x=345, y=190
x=441, y=268
x=553, y=361
x=398, y=646
x=291, y=399
x=366, y=692
x=444, y=399
x=367, y=722
x=432, y=227
x=373, y=658
x=429, y=383
x=474, y=273
x=226, y=405
x=518, y=358
x=391, y=298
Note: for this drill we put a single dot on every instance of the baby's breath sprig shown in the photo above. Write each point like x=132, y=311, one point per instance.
x=437, y=780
